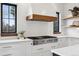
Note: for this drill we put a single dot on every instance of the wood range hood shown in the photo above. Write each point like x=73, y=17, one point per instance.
x=39, y=17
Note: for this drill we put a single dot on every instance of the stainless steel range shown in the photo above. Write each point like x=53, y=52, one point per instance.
x=43, y=39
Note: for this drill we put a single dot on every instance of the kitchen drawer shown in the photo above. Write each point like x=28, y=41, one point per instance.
x=16, y=48
x=12, y=45
x=15, y=43
x=28, y=43
x=41, y=48
x=44, y=53
x=13, y=48
x=54, y=46
x=5, y=48
x=12, y=53
x=8, y=53
x=17, y=51
x=9, y=46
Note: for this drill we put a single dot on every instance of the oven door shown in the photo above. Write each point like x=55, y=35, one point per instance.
x=52, y=40
x=37, y=42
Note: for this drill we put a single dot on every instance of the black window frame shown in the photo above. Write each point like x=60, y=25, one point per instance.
x=8, y=33
x=57, y=22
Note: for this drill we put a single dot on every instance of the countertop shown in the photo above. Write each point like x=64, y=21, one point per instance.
x=14, y=40
x=67, y=51
x=75, y=36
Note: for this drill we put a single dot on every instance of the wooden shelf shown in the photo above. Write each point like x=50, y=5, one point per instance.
x=72, y=26
x=38, y=17
x=70, y=17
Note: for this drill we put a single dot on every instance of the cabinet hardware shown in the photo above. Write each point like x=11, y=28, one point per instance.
x=31, y=43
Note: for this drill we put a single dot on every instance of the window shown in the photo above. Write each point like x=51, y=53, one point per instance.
x=57, y=25
x=8, y=19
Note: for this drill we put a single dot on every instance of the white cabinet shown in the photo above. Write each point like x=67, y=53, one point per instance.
x=41, y=50
x=44, y=49
x=15, y=49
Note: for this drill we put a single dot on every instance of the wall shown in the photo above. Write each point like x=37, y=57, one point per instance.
x=44, y=8
x=68, y=6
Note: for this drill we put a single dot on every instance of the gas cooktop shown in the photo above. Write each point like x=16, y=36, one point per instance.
x=43, y=39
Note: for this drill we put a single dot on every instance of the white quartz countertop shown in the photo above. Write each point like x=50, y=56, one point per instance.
x=68, y=36
x=67, y=51
x=14, y=40
x=59, y=36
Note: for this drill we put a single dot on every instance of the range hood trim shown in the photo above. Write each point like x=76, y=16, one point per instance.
x=39, y=17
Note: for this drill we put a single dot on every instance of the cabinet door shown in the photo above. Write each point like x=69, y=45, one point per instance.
x=15, y=49
x=19, y=50
x=5, y=48
x=22, y=49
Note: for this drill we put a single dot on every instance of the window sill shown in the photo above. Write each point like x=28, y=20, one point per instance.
x=57, y=32
x=8, y=34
